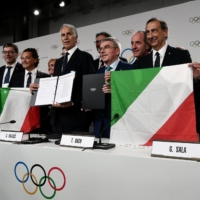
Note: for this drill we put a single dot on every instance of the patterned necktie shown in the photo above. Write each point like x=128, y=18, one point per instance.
x=157, y=61
x=7, y=77
x=29, y=79
x=108, y=68
x=65, y=60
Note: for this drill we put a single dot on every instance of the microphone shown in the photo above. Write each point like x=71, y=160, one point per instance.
x=10, y=122
x=105, y=145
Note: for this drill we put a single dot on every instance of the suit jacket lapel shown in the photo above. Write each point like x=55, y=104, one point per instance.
x=118, y=68
x=167, y=56
x=1, y=74
x=149, y=60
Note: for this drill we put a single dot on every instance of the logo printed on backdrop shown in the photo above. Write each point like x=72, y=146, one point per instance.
x=42, y=180
x=54, y=46
x=194, y=20
x=195, y=43
x=127, y=32
x=131, y=58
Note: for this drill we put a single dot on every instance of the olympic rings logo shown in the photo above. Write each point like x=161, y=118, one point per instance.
x=195, y=43
x=54, y=46
x=42, y=180
x=194, y=20
x=132, y=58
x=127, y=32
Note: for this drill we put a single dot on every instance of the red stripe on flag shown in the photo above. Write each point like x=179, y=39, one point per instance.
x=31, y=119
x=181, y=126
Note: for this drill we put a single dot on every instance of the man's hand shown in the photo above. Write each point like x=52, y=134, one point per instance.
x=106, y=88
x=107, y=77
x=63, y=105
x=33, y=87
x=196, y=69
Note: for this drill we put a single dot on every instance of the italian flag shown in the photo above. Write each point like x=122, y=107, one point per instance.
x=14, y=105
x=153, y=104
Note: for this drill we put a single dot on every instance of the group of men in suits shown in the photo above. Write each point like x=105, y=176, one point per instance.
x=149, y=47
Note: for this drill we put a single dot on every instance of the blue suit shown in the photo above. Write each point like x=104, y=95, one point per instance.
x=102, y=118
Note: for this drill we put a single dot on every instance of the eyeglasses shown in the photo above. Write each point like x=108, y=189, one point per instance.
x=97, y=41
x=8, y=52
x=107, y=47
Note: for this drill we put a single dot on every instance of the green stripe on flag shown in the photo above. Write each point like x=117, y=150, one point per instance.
x=126, y=86
x=3, y=96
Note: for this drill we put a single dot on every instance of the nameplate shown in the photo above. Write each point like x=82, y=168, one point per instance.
x=13, y=136
x=181, y=150
x=77, y=141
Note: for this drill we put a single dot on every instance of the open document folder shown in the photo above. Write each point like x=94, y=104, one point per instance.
x=53, y=89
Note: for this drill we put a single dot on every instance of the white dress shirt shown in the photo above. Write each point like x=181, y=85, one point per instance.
x=161, y=52
x=33, y=76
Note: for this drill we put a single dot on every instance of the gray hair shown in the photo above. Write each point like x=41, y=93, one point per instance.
x=114, y=41
x=71, y=27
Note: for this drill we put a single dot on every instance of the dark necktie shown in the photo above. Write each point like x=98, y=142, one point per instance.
x=7, y=77
x=157, y=61
x=29, y=79
x=65, y=60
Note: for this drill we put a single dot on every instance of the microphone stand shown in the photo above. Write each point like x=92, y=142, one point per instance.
x=101, y=145
x=10, y=122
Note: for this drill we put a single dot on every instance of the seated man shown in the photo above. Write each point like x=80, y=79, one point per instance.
x=109, y=53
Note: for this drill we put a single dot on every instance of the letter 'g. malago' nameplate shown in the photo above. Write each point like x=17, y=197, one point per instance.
x=77, y=140
x=171, y=149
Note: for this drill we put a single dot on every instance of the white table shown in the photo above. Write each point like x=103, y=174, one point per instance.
x=121, y=173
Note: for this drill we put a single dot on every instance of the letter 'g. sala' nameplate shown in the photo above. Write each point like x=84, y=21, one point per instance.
x=77, y=140
x=12, y=136
x=172, y=149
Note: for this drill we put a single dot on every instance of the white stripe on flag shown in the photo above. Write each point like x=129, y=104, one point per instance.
x=159, y=100
x=15, y=108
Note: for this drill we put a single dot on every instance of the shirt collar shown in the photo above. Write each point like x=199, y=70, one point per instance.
x=161, y=51
x=33, y=71
x=71, y=51
x=114, y=65
x=13, y=65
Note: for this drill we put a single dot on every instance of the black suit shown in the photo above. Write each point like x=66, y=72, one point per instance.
x=18, y=69
x=18, y=80
x=96, y=62
x=173, y=56
x=65, y=120
x=103, y=117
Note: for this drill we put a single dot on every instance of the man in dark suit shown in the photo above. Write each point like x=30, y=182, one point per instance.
x=68, y=117
x=139, y=46
x=100, y=36
x=162, y=54
x=30, y=61
x=109, y=52
x=12, y=67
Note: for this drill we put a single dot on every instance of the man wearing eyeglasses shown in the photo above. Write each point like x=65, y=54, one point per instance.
x=109, y=52
x=12, y=67
x=98, y=63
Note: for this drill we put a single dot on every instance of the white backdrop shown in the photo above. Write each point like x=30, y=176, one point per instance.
x=183, y=21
